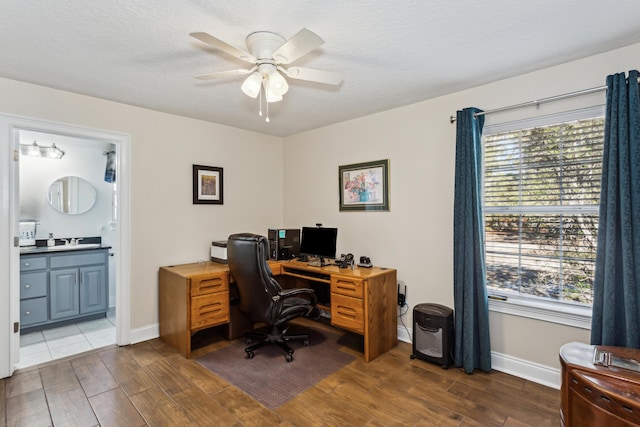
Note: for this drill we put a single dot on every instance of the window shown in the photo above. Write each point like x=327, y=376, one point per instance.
x=541, y=203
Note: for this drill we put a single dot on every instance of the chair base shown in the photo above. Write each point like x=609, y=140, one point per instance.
x=276, y=336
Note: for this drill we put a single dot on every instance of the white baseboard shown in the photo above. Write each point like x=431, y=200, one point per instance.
x=520, y=368
x=145, y=333
x=405, y=334
x=541, y=374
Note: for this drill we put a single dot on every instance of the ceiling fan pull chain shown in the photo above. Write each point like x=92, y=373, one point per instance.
x=260, y=101
x=267, y=119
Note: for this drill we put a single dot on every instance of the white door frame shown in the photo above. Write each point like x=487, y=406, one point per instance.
x=10, y=126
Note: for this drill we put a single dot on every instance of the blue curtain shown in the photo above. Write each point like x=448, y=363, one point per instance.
x=472, y=344
x=616, y=287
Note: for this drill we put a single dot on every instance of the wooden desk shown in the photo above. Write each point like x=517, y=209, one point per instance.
x=595, y=395
x=196, y=296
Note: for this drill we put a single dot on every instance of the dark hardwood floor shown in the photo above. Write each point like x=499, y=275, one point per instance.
x=150, y=384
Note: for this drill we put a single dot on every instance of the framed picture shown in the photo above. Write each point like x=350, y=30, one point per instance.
x=364, y=186
x=207, y=185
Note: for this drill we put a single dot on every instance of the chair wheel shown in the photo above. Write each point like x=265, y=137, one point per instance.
x=250, y=354
x=305, y=343
x=413, y=356
x=289, y=357
x=249, y=341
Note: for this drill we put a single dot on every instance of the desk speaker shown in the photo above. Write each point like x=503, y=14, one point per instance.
x=433, y=337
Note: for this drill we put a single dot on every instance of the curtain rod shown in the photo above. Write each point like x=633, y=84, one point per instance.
x=537, y=102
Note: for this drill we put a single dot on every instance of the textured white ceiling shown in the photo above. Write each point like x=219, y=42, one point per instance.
x=390, y=53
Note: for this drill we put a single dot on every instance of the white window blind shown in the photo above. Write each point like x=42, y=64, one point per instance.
x=541, y=202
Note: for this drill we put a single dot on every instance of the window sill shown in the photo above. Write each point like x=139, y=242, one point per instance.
x=563, y=314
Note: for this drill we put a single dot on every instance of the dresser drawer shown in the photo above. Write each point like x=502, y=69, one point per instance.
x=33, y=263
x=347, y=312
x=33, y=311
x=207, y=284
x=209, y=310
x=348, y=286
x=33, y=285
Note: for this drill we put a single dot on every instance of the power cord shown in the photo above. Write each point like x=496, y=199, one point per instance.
x=402, y=314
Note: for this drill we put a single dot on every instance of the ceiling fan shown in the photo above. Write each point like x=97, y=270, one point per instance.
x=270, y=53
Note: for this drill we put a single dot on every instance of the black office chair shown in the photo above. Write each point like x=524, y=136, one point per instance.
x=262, y=298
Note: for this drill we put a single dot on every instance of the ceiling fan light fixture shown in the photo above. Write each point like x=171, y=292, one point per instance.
x=277, y=83
x=253, y=83
x=270, y=95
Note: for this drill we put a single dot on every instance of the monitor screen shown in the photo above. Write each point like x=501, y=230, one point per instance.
x=319, y=242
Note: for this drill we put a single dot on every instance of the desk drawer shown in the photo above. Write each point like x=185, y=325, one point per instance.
x=207, y=284
x=348, y=286
x=347, y=312
x=209, y=310
x=33, y=285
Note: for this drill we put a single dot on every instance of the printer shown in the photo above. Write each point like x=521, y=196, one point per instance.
x=219, y=251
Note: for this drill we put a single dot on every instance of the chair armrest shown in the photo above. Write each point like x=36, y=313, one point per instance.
x=288, y=293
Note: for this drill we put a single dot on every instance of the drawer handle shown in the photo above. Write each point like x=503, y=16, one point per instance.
x=346, y=288
x=347, y=312
x=27, y=286
x=26, y=313
x=211, y=308
x=27, y=264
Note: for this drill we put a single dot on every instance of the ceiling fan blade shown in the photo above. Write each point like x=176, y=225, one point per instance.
x=297, y=46
x=313, y=75
x=223, y=46
x=229, y=73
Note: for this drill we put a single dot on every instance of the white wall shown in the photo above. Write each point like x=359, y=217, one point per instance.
x=166, y=228
x=416, y=235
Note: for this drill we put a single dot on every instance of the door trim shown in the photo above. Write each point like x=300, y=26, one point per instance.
x=10, y=126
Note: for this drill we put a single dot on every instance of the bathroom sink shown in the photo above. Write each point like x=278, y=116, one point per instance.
x=73, y=247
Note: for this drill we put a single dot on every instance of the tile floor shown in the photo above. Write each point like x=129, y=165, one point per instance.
x=50, y=344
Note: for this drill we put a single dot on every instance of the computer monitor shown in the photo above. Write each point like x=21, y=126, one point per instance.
x=319, y=242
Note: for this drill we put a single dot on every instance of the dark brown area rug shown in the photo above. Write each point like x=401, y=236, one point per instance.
x=268, y=377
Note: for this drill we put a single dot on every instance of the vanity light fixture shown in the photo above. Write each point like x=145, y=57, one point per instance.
x=35, y=150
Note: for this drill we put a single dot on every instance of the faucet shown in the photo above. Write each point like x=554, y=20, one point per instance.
x=72, y=242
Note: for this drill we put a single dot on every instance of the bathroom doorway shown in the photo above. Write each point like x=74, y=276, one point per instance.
x=67, y=189
x=115, y=232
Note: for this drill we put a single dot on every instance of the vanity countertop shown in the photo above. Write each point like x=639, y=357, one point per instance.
x=27, y=250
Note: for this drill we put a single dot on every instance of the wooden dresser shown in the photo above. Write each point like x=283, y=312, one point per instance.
x=596, y=395
x=192, y=297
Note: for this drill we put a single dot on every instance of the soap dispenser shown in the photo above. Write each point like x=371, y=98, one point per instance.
x=51, y=241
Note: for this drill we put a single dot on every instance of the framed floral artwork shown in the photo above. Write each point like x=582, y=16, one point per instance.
x=207, y=185
x=364, y=186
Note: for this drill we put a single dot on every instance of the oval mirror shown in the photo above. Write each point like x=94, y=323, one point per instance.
x=71, y=195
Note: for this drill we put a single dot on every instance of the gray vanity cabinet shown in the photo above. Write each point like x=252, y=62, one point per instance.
x=65, y=286
x=94, y=292
x=65, y=293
